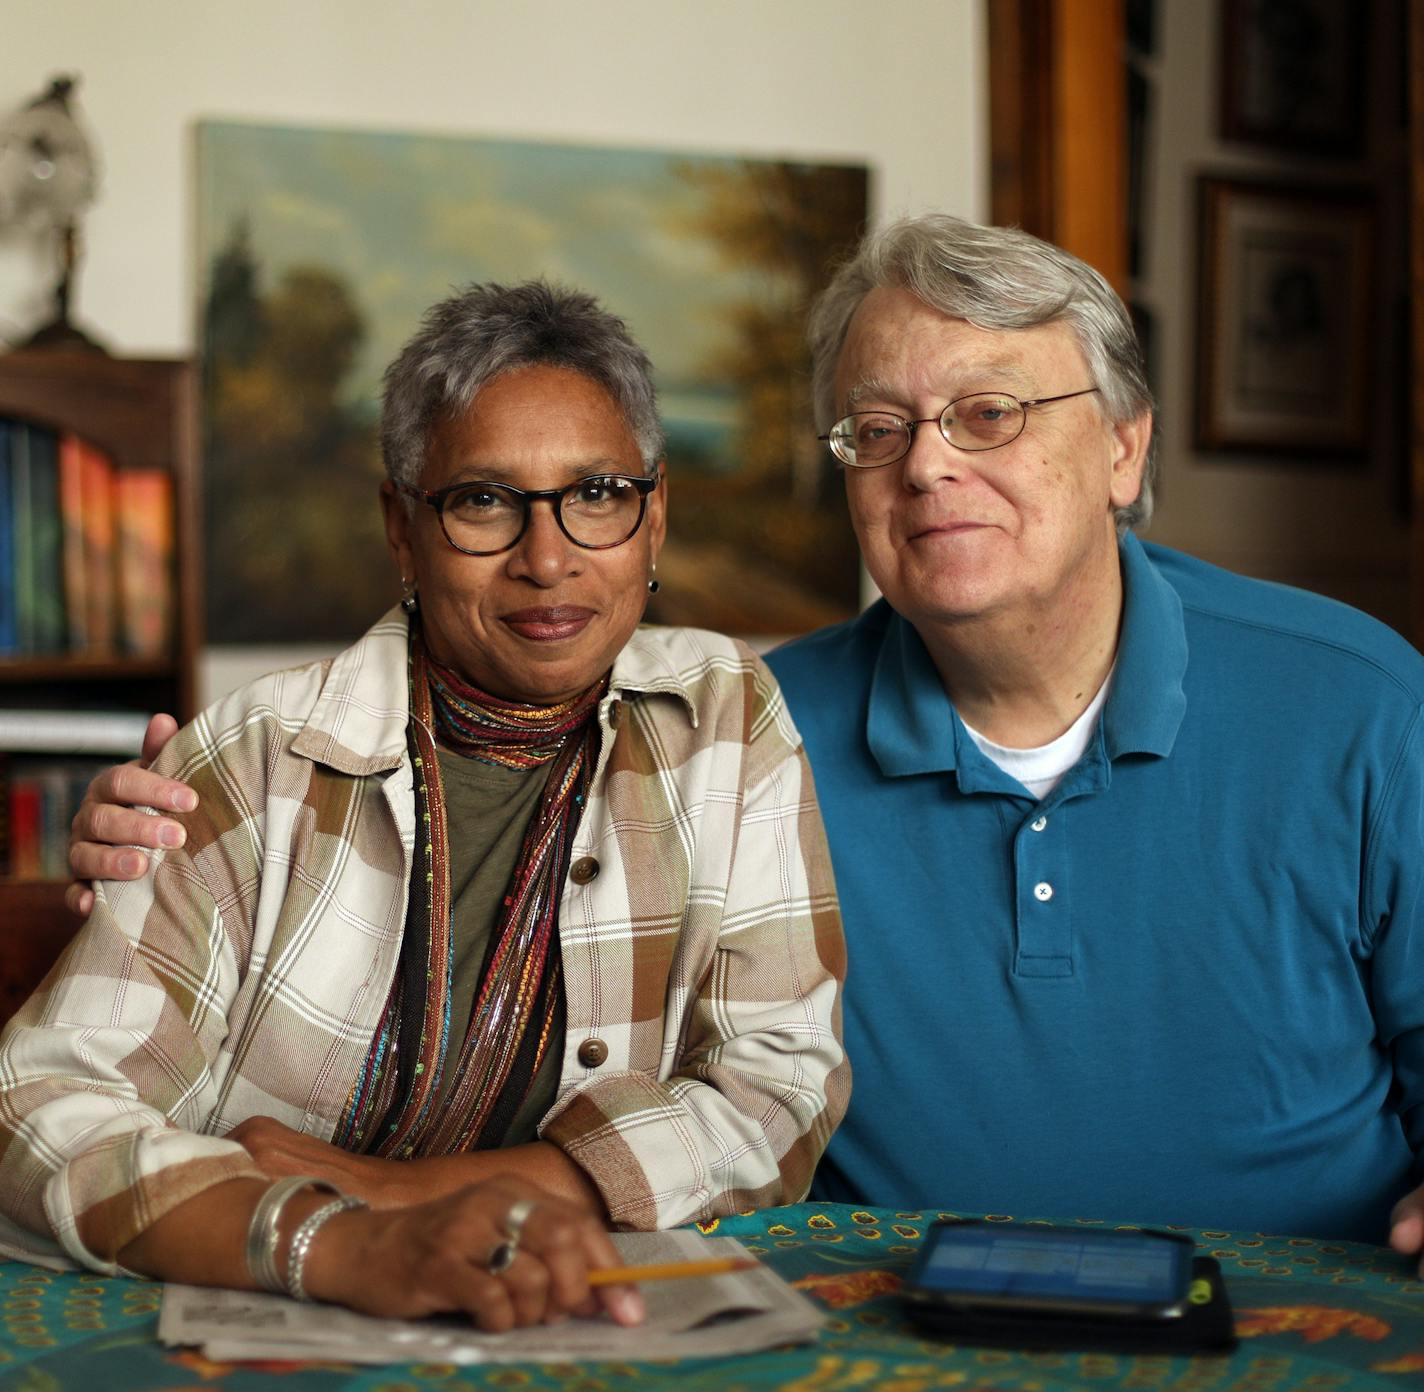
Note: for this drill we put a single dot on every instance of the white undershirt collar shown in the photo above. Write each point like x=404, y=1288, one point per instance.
x=1040, y=770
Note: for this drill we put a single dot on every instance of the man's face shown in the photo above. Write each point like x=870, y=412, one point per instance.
x=1021, y=531
x=544, y=620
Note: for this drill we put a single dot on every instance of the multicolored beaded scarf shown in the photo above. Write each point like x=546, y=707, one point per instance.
x=391, y=1111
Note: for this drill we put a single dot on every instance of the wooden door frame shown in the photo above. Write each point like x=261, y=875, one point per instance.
x=1058, y=125
x=1416, y=326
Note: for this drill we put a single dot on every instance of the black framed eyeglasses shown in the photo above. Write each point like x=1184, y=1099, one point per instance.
x=483, y=519
x=981, y=421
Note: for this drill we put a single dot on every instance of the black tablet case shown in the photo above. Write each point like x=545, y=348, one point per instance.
x=1204, y=1327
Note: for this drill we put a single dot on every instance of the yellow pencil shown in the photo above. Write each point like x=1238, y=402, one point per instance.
x=671, y=1271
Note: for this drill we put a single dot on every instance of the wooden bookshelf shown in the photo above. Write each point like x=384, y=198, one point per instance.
x=33, y=932
x=141, y=413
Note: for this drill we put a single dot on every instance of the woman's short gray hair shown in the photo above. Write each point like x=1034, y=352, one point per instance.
x=466, y=341
x=995, y=278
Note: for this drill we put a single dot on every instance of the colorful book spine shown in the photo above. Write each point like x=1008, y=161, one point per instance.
x=71, y=511
x=100, y=591
x=87, y=560
x=26, y=828
x=38, y=799
x=57, y=810
x=47, y=555
x=145, y=553
x=9, y=633
x=23, y=550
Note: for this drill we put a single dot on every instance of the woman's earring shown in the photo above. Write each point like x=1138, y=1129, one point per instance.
x=653, y=586
x=408, y=599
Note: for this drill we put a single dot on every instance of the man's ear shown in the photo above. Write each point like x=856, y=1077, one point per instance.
x=398, y=520
x=1131, y=440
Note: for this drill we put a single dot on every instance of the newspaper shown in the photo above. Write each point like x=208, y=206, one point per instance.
x=712, y=1316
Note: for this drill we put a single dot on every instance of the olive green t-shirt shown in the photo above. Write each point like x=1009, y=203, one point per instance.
x=487, y=810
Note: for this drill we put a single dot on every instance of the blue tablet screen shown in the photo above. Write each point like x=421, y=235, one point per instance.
x=1110, y=1266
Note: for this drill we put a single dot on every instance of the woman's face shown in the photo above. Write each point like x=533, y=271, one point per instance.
x=544, y=620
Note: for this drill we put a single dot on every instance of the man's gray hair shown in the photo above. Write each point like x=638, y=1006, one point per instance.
x=995, y=278
x=468, y=340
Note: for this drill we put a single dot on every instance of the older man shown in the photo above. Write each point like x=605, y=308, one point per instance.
x=1130, y=850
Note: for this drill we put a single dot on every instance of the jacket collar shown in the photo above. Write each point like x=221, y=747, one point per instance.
x=358, y=723
x=645, y=668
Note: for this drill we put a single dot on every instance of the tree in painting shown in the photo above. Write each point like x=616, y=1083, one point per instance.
x=291, y=468
x=770, y=536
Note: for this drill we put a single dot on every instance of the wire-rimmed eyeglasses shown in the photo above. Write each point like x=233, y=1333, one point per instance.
x=483, y=519
x=981, y=421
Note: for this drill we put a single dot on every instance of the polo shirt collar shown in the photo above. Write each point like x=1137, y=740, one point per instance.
x=910, y=722
x=1146, y=704
x=911, y=726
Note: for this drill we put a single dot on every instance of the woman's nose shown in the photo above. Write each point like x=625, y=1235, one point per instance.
x=544, y=554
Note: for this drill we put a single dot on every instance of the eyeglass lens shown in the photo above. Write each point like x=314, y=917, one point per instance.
x=594, y=512
x=980, y=422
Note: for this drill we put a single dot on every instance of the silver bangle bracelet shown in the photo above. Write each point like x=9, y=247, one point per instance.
x=304, y=1236
x=263, y=1232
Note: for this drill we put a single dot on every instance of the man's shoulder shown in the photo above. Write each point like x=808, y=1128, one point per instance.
x=1245, y=614
x=836, y=653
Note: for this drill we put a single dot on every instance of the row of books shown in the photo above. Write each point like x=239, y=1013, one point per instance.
x=38, y=800
x=48, y=758
x=86, y=549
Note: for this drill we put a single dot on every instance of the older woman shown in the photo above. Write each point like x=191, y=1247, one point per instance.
x=510, y=894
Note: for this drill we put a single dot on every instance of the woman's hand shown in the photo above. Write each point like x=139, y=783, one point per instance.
x=279, y=1151
x=385, y=1184
x=106, y=829
x=434, y=1259
x=1406, y=1227
x=423, y=1259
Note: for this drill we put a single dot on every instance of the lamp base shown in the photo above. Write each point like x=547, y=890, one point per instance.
x=60, y=333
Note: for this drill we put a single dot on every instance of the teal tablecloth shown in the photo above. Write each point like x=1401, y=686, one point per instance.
x=1311, y=1315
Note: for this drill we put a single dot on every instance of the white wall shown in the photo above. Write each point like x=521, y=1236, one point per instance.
x=900, y=86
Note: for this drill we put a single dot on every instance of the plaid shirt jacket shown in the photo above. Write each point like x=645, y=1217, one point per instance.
x=245, y=974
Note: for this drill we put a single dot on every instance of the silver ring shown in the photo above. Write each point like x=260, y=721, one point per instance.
x=502, y=1258
x=516, y=1218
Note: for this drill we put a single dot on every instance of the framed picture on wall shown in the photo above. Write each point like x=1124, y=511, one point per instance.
x=1292, y=74
x=319, y=250
x=1284, y=298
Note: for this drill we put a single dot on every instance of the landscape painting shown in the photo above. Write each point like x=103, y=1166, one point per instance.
x=319, y=249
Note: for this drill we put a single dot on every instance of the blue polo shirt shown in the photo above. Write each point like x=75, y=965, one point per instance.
x=1187, y=986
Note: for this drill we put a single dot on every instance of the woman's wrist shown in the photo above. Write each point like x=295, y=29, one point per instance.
x=333, y=1255
x=264, y=1243
x=302, y=1239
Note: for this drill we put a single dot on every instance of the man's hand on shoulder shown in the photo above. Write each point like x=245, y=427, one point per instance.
x=1406, y=1226
x=106, y=829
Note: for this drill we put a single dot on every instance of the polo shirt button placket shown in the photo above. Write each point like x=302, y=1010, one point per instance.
x=1044, y=946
